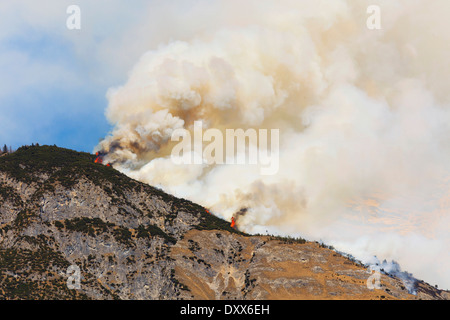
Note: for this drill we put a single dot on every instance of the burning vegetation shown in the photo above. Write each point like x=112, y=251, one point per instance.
x=99, y=158
x=241, y=212
x=233, y=222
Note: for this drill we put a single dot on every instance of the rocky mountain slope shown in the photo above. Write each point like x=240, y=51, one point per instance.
x=132, y=241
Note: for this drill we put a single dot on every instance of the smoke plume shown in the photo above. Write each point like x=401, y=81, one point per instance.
x=363, y=117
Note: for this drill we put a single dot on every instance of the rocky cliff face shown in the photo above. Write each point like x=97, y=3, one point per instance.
x=132, y=241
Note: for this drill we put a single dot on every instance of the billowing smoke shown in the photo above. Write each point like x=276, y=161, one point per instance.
x=363, y=117
x=393, y=268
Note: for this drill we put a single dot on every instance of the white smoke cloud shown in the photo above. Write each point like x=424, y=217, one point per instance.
x=363, y=118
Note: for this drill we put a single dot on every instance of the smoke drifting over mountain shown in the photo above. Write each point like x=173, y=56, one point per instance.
x=363, y=117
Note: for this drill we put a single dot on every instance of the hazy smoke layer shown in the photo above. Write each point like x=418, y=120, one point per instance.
x=363, y=116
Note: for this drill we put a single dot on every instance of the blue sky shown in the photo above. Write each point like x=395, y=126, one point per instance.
x=63, y=108
x=48, y=95
x=53, y=81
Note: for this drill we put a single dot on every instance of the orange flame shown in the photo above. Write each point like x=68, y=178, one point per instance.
x=233, y=222
x=98, y=159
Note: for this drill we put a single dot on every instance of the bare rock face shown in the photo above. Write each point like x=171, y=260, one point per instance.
x=219, y=265
x=131, y=241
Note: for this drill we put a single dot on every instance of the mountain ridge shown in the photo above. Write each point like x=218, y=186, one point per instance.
x=133, y=241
